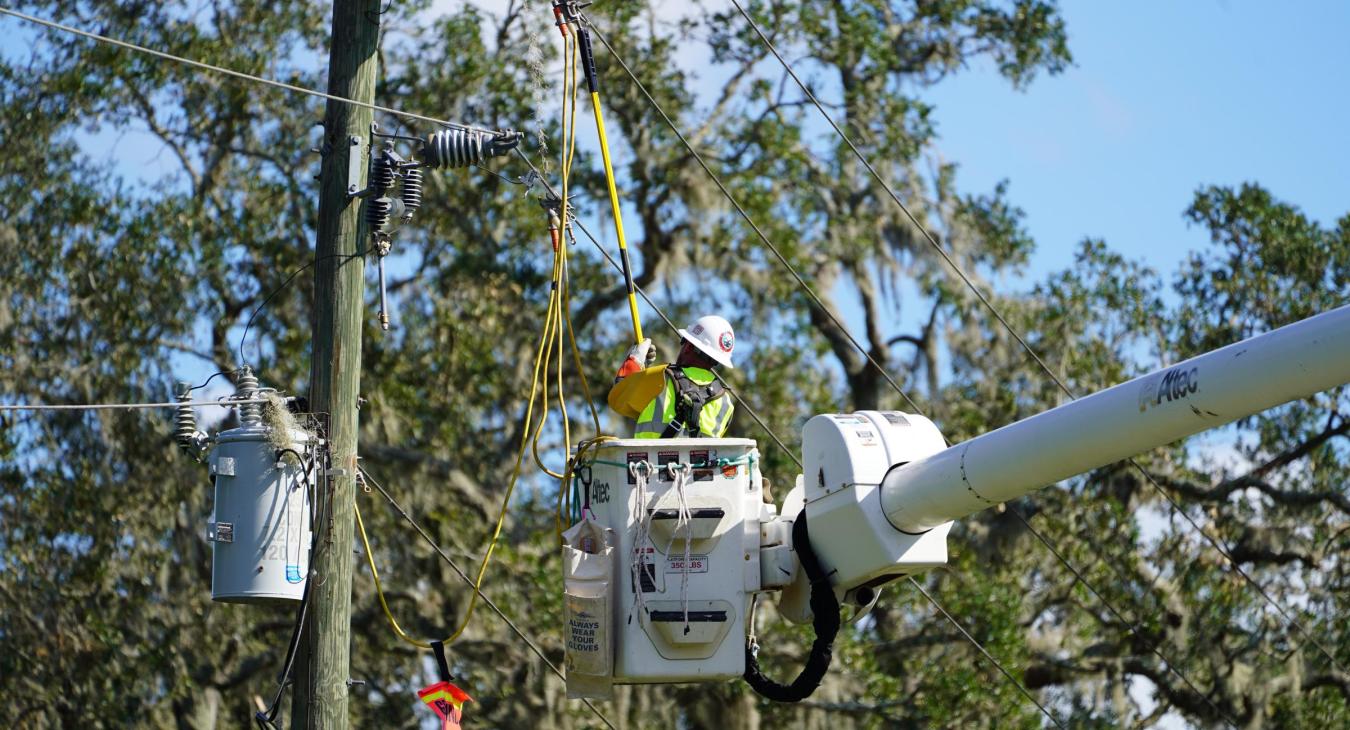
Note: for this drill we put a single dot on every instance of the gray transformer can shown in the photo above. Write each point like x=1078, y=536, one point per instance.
x=260, y=522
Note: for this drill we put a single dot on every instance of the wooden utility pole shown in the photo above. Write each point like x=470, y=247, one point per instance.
x=322, y=671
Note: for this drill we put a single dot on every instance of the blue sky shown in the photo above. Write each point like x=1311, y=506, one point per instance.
x=1164, y=97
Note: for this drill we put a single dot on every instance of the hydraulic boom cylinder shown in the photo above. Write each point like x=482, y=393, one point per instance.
x=1204, y=392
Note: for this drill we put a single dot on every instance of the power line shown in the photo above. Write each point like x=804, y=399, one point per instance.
x=244, y=337
x=1132, y=626
x=986, y=653
x=231, y=72
x=996, y=313
x=396, y=112
x=482, y=596
x=227, y=402
x=1012, y=331
x=777, y=253
x=807, y=288
x=855, y=343
x=673, y=327
x=749, y=221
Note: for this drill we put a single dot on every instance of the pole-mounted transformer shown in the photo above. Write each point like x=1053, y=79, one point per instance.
x=260, y=524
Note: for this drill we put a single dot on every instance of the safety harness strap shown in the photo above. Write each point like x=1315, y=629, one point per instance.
x=690, y=397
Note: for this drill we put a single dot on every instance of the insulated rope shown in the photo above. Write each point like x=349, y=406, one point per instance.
x=379, y=588
x=642, y=526
x=515, y=471
x=1017, y=336
x=679, y=477
x=564, y=216
x=550, y=338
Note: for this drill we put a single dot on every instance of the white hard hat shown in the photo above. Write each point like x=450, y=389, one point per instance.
x=713, y=337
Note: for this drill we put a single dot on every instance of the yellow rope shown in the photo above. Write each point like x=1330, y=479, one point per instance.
x=379, y=590
x=550, y=339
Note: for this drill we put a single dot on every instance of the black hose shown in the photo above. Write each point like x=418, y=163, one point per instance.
x=825, y=622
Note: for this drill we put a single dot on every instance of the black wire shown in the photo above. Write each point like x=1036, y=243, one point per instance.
x=267, y=719
x=213, y=377
x=276, y=291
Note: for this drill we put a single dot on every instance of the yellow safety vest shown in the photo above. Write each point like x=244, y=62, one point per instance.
x=713, y=418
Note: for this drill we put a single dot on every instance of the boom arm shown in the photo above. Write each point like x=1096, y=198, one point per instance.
x=1201, y=393
x=881, y=489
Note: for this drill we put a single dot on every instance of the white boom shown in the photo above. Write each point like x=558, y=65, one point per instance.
x=693, y=540
x=1204, y=392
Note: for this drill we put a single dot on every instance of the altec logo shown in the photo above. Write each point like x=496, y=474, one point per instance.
x=1174, y=384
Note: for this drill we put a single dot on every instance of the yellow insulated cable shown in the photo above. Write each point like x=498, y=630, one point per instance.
x=379, y=589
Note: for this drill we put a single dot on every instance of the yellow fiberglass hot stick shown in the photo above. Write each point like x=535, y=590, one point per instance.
x=588, y=66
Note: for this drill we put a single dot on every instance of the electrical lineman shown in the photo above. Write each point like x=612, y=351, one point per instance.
x=684, y=398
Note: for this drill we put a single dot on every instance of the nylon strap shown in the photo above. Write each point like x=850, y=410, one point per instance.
x=438, y=648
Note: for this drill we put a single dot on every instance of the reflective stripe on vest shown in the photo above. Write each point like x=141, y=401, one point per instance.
x=713, y=419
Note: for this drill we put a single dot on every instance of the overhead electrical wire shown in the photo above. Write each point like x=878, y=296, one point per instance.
x=277, y=290
x=892, y=382
x=750, y=222
x=477, y=590
x=550, y=341
x=231, y=72
x=787, y=66
x=1017, y=336
x=227, y=402
x=669, y=322
x=801, y=282
x=289, y=87
x=1025, y=693
x=792, y=455
x=296, y=89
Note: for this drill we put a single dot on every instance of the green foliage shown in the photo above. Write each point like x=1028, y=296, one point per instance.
x=117, y=287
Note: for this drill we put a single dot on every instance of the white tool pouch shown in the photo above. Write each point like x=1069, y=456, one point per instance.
x=588, y=556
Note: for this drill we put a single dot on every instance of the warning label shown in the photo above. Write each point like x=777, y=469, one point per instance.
x=635, y=457
x=587, y=635
x=697, y=563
